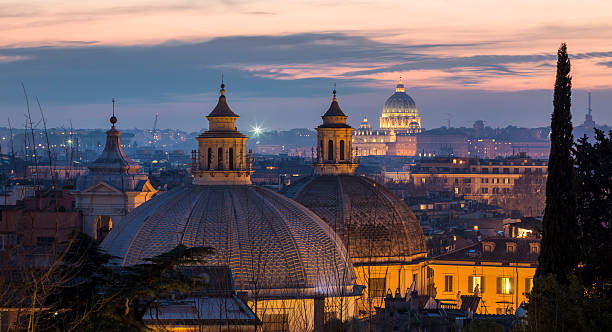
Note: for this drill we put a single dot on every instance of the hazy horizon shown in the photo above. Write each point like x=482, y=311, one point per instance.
x=487, y=60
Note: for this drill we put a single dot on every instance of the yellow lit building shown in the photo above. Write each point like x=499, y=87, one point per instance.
x=500, y=270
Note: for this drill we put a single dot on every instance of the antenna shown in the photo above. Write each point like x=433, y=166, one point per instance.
x=113, y=106
x=589, y=104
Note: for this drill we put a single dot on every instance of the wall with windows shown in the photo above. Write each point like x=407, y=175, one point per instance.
x=501, y=287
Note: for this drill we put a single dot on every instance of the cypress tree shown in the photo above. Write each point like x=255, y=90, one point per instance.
x=560, y=251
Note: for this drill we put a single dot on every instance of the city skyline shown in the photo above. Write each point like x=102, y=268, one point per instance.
x=459, y=62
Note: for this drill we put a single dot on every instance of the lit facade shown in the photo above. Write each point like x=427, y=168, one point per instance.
x=400, y=113
x=500, y=270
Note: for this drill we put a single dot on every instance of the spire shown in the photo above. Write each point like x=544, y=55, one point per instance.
x=334, y=108
x=222, y=109
x=114, y=159
x=113, y=118
x=400, y=86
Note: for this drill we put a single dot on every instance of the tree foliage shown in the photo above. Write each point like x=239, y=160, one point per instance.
x=559, y=255
x=98, y=297
x=594, y=173
x=554, y=306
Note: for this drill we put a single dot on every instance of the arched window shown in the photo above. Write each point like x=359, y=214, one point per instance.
x=220, y=159
x=330, y=150
x=341, y=149
x=231, y=159
x=209, y=161
x=103, y=226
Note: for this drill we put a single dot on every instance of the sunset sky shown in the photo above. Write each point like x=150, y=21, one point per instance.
x=460, y=60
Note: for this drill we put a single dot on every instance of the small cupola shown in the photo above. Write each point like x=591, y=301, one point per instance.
x=334, y=143
x=221, y=157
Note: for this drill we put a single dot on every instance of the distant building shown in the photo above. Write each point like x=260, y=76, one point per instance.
x=401, y=134
x=58, y=173
x=477, y=179
x=111, y=189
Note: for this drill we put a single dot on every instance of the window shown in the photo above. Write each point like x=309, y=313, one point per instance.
x=376, y=287
x=231, y=159
x=495, y=170
x=516, y=170
x=495, y=190
x=534, y=248
x=506, y=171
x=209, y=161
x=330, y=150
x=275, y=323
x=341, y=149
x=505, y=285
x=511, y=247
x=488, y=246
x=484, y=190
x=528, y=285
x=220, y=158
x=476, y=283
x=448, y=283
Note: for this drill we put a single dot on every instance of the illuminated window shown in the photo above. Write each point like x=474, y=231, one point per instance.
x=448, y=283
x=528, y=284
x=505, y=285
x=456, y=191
x=534, y=247
x=476, y=283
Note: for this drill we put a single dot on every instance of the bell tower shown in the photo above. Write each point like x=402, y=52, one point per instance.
x=334, y=143
x=221, y=158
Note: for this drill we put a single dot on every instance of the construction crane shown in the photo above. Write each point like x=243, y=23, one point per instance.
x=154, y=131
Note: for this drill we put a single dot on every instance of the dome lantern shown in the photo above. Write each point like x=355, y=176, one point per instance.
x=221, y=157
x=334, y=147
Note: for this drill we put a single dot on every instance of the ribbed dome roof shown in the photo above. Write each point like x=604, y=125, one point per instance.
x=268, y=241
x=374, y=223
x=400, y=103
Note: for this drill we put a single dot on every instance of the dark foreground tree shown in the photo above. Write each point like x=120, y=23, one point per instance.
x=594, y=173
x=559, y=255
x=97, y=297
x=566, y=307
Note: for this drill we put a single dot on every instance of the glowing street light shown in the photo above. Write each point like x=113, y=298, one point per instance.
x=257, y=130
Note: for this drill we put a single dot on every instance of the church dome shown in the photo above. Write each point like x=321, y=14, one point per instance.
x=400, y=104
x=375, y=225
x=268, y=241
